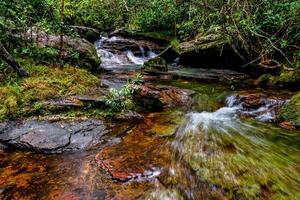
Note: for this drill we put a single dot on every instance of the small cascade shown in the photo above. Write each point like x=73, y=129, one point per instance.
x=142, y=51
x=151, y=54
x=266, y=112
x=117, y=51
x=134, y=59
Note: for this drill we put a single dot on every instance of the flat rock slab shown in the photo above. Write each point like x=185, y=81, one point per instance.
x=209, y=75
x=52, y=137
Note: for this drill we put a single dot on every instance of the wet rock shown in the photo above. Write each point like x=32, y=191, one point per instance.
x=155, y=38
x=152, y=98
x=120, y=44
x=252, y=101
x=53, y=137
x=130, y=116
x=2, y=147
x=137, y=156
x=290, y=112
x=287, y=125
x=257, y=105
x=155, y=65
x=147, y=98
x=62, y=104
x=225, y=76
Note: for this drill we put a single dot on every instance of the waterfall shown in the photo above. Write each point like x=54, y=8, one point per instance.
x=134, y=59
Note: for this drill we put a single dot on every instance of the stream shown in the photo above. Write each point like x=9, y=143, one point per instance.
x=212, y=148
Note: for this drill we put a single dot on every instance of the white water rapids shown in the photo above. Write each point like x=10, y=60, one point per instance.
x=114, y=58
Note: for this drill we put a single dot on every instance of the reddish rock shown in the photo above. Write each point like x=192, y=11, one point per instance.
x=153, y=98
x=287, y=125
x=252, y=101
x=138, y=155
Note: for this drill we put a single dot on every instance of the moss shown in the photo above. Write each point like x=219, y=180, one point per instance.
x=157, y=64
x=291, y=111
x=44, y=83
x=289, y=79
x=265, y=80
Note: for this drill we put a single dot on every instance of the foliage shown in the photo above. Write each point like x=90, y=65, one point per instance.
x=45, y=83
x=291, y=111
x=120, y=100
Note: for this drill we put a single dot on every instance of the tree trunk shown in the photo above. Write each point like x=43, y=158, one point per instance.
x=11, y=61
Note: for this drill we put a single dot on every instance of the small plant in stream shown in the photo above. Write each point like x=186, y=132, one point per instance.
x=120, y=100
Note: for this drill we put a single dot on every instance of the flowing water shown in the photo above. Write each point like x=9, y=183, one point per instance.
x=213, y=149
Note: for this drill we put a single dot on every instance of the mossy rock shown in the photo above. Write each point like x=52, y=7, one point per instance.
x=156, y=65
x=207, y=50
x=265, y=80
x=291, y=111
x=85, y=54
x=286, y=79
x=289, y=79
x=202, y=42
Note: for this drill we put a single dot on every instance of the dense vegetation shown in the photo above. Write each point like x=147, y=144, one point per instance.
x=265, y=33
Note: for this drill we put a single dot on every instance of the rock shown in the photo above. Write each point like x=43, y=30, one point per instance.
x=53, y=137
x=130, y=116
x=207, y=50
x=264, y=81
x=257, y=105
x=287, y=125
x=252, y=101
x=169, y=54
x=155, y=65
x=154, y=98
x=90, y=34
x=153, y=37
x=290, y=112
x=286, y=79
x=77, y=51
x=223, y=76
x=137, y=156
x=118, y=45
x=146, y=98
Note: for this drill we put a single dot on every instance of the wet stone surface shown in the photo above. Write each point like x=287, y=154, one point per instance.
x=53, y=137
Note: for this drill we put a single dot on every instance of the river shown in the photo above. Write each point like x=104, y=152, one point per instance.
x=212, y=148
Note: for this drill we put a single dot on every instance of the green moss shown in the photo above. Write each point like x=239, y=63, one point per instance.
x=289, y=79
x=291, y=111
x=265, y=80
x=43, y=84
x=157, y=64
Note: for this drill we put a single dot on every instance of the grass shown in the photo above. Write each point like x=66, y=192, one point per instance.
x=45, y=82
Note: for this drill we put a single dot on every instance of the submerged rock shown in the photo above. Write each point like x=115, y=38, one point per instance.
x=53, y=137
x=252, y=101
x=257, y=105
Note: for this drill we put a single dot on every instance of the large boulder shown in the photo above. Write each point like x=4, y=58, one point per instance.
x=207, y=50
x=156, y=38
x=290, y=112
x=155, y=65
x=87, y=33
x=286, y=79
x=52, y=137
x=76, y=51
x=155, y=98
